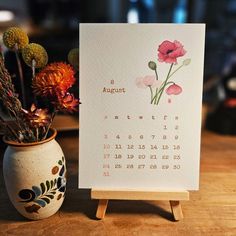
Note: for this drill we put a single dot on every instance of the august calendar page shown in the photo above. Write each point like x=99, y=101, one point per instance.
x=141, y=95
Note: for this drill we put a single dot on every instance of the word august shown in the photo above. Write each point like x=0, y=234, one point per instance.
x=113, y=90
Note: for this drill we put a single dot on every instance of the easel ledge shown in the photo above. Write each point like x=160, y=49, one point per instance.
x=174, y=197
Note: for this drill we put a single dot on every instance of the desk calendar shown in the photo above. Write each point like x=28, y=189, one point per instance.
x=141, y=94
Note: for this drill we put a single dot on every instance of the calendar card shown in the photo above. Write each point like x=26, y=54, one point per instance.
x=141, y=95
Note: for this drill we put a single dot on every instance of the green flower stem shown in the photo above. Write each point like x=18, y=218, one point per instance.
x=155, y=95
x=151, y=93
x=156, y=74
x=163, y=86
x=161, y=89
x=176, y=70
x=170, y=82
x=153, y=98
x=159, y=92
x=21, y=76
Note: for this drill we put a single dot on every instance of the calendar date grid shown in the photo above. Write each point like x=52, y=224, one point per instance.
x=130, y=152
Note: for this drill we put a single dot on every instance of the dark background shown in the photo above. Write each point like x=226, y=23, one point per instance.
x=54, y=24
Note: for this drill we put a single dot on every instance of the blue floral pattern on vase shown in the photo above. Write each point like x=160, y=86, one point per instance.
x=61, y=181
x=42, y=195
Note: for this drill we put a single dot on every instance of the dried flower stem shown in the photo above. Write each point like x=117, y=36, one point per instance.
x=8, y=95
x=33, y=75
x=33, y=68
x=52, y=118
x=13, y=105
x=10, y=129
x=37, y=134
x=21, y=75
x=1, y=53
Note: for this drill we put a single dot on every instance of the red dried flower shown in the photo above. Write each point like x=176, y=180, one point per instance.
x=55, y=77
x=66, y=102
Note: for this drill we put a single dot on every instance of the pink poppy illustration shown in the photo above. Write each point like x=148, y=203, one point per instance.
x=169, y=51
x=174, y=89
x=144, y=82
x=149, y=80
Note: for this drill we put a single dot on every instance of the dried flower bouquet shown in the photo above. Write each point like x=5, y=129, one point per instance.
x=51, y=84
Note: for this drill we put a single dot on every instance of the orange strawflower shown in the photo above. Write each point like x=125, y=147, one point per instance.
x=54, y=78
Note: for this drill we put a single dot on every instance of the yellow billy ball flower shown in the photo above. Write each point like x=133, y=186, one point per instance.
x=36, y=52
x=15, y=36
x=73, y=57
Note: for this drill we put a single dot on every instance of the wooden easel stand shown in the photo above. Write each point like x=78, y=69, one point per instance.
x=174, y=197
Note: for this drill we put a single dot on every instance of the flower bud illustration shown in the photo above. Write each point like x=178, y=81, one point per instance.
x=186, y=62
x=152, y=65
x=174, y=89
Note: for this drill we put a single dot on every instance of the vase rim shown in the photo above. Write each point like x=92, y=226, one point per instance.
x=17, y=144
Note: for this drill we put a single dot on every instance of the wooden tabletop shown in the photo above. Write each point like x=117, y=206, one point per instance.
x=210, y=211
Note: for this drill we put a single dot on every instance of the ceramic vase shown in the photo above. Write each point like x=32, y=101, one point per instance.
x=34, y=175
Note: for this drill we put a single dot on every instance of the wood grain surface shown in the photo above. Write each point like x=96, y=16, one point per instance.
x=210, y=211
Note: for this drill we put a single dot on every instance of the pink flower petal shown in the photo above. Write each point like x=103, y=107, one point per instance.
x=157, y=84
x=169, y=51
x=174, y=89
x=139, y=82
x=149, y=80
x=166, y=46
x=144, y=82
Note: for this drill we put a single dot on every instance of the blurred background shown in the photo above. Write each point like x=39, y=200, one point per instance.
x=54, y=24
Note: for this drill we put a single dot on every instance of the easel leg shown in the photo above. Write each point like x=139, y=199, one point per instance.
x=102, y=207
x=176, y=210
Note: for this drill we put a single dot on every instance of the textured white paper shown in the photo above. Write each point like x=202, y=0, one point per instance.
x=125, y=141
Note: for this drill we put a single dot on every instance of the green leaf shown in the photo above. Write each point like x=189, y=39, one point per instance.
x=60, y=162
x=53, y=192
x=63, y=158
x=55, y=181
x=43, y=188
x=46, y=200
x=48, y=185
